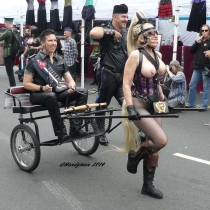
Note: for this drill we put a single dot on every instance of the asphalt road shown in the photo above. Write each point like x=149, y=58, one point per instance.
x=183, y=180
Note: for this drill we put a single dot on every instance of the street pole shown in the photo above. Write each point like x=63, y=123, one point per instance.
x=176, y=26
x=21, y=32
x=82, y=53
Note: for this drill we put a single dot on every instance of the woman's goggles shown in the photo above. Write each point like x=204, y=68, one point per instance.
x=151, y=32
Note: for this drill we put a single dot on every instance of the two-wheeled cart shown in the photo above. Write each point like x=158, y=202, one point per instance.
x=26, y=142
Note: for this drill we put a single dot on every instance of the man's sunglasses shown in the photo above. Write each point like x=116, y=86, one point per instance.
x=151, y=32
x=205, y=30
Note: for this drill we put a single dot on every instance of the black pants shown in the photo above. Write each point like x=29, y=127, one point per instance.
x=51, y=99
x=73, y=71
x=110, y=84
x=9, y=64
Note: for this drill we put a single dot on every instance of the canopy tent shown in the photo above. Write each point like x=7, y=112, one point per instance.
x=103, y=8
x=104, y=12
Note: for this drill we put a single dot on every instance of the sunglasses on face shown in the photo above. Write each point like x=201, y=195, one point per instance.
x=205, y=30
x=151, y=32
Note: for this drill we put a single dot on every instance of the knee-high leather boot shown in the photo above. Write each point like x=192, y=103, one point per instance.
x=135, y=157
x=149, y=167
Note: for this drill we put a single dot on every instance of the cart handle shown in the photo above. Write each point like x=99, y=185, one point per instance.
x=84, y=107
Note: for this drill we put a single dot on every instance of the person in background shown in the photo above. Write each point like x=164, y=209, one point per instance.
x=207, y=54
x=34, y=44
x=95, y=51
x=177, y=81
x=7, y=36
x=179, y=42
x=70, y=52
x=78, y=64
x=113, y=51
x=58, y=50
x=27, y=32
x=200, y=50
x=24, y=57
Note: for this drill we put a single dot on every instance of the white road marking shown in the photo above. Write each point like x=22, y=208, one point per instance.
x=192, y=158
x=63, y=194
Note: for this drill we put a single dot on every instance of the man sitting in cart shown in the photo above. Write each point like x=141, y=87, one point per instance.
x=44, y=89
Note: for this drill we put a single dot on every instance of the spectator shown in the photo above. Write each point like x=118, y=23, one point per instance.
x=7, y=36
x=34, y=44
x=70, y=52
x=95, y=54
x=177, y=81
x=58, y=50
x=24, y=57
x=200, y=49
x=179, y=43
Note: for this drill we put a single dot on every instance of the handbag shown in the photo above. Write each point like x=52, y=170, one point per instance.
x=206, y=71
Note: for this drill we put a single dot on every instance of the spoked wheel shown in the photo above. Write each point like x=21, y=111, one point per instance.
x=86, y=146
x=25, y=147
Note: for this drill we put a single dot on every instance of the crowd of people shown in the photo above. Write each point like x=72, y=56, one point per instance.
x=129, y=67
x=67, y=49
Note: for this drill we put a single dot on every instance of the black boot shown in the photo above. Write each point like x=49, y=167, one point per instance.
x=77, y=129
x=148, y=187
x=104, y=140
x=135, y=157
x=62, y=134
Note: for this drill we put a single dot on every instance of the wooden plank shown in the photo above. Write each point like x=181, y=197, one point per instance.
x=84, y=107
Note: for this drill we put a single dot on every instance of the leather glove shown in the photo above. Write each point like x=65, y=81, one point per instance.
x=132, y=113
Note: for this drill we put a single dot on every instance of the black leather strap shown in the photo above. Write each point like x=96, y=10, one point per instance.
x=155, y=61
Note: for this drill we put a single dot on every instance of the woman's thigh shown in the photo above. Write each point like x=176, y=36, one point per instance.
x=150, y=126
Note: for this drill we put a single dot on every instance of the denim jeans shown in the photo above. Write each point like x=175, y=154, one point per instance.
x=197, y=75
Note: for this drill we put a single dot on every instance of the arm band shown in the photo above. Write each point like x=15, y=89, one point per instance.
x=41, y=89
x=109, y=32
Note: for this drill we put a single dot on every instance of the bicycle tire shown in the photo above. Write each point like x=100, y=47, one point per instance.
x=80, y=145
x=25, y=148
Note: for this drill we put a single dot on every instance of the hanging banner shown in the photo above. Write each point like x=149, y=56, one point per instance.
x=41, y=16
x=197, y=15
x=88, y=11
x=54, y=16
x=30, y=17
x=67, y=14
x=88, y=14
x=165, y=9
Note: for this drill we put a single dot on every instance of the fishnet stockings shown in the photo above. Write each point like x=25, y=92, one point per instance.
x=150, y=126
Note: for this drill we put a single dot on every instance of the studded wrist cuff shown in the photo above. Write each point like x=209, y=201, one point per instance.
x=109, y=32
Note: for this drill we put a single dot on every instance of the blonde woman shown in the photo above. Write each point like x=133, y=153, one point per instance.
x=142, y=69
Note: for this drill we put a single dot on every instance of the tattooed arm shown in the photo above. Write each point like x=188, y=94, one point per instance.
x=27, y=81
x=29, y=85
